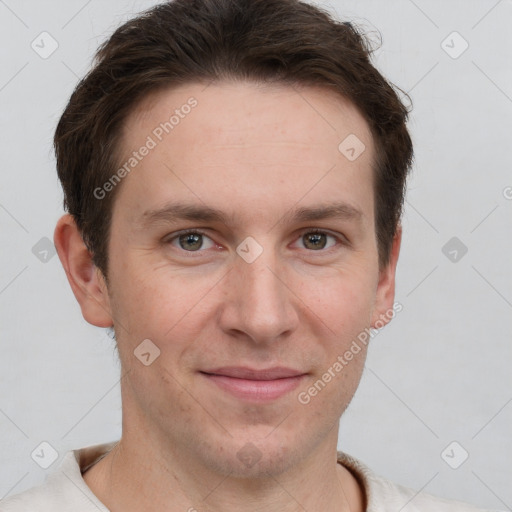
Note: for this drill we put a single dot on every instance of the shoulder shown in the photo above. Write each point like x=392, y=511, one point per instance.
x=398, y=497
x=383, y=495
x=42, y=498
x=63, y=490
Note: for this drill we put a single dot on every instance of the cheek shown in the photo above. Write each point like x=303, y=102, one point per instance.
x=161, y=306
x=329, y=392
x=342, y=300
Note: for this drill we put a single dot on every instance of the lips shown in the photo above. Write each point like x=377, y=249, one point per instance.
x=239, y=372
x=255, y=385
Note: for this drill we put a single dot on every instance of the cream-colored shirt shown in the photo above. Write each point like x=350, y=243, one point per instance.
x=65, y=490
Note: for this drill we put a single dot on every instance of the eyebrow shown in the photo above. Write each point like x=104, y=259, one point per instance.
x=183, y=211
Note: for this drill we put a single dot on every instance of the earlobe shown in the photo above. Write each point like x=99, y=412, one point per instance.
x=86, y=280
x=383, y=311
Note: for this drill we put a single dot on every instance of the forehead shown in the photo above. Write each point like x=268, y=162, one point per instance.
x=304, y=113
x=215, y=142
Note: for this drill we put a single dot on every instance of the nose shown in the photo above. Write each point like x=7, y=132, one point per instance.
x=259, y=303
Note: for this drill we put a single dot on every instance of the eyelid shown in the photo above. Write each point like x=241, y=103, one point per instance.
x=176, y=234
x=173, y=236
x=340, y=239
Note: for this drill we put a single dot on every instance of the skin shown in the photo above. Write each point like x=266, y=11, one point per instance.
x=256, y=154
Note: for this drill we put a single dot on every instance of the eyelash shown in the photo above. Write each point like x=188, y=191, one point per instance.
x=339, y=240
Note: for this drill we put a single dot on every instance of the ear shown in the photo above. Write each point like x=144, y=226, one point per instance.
x=385, y=295
x=86, y=280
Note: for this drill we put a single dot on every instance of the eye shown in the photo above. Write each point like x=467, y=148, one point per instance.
x=317, y=240
x=191, y=241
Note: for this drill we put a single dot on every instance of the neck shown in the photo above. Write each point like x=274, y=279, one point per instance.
x=139, y=475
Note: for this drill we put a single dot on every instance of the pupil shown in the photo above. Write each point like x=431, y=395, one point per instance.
x=315, y=240
x=191, y=241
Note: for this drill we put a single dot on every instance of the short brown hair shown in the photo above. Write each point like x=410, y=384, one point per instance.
x=183, y=41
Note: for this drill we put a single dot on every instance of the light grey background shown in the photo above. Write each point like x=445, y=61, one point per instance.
x=440, y=372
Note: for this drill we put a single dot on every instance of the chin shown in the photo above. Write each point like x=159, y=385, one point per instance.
x=250, y=456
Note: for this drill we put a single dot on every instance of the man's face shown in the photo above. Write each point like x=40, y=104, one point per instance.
x=295, y=295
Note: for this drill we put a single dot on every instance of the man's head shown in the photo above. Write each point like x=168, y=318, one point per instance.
x=186, y=41
x=257, y=232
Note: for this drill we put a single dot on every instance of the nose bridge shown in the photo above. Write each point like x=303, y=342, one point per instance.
x=261, y=305
x=261, y=283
